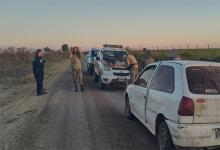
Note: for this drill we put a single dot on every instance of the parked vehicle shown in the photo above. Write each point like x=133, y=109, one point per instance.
x=179, y=102
x=111, y=66
x=91, y=60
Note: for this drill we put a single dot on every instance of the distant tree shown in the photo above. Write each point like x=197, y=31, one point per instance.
x=21, y=49
x=65, y=48
x=144, y=49
x=47, y=49
x=11, y=49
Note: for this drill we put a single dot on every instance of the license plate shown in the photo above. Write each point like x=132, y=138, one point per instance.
x=217, y=133
x=121, y=79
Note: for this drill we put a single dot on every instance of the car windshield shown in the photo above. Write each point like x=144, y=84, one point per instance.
x=203, y=79
x=108, y=55
x=93, y=53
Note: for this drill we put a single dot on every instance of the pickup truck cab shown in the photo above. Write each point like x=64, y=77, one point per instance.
x=179, y=102
x=111, y=67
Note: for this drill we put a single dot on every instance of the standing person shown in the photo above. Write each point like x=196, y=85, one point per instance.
x=133, y=65
x=43, y=61
x=38, y=70
x=76, y=68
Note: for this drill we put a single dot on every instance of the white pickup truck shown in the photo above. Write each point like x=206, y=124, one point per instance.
x=111, y=67
x=179, y=102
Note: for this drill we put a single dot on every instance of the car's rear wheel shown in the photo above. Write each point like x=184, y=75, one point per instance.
x=164, y=138
x=128, y=113
x=101, y=84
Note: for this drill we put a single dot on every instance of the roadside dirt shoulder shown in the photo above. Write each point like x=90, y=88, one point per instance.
x=22, y=107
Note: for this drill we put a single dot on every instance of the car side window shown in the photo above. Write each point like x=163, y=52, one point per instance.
x=164, y=79
x=145, y=77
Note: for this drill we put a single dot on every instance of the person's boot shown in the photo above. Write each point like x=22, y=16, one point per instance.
x=41, y=93
x=76, y=88
x=81, y=87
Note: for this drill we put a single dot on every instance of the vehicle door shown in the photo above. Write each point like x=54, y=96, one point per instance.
x=162, y=96
x=140, y=89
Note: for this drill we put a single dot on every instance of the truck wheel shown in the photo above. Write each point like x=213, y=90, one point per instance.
x=164, y=138
x=128, y=113
x=101, y=85
x=96, y=78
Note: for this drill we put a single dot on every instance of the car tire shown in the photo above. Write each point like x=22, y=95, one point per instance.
x=164, y=138
x=128, y=113
x=101, y=84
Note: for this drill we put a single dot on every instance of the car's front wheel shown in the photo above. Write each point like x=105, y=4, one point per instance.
x=128, y=113
x=164, y=138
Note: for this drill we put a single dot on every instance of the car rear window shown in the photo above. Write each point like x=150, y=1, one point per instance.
x=203, y=79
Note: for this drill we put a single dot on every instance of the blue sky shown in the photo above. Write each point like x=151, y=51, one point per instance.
x=90, y=23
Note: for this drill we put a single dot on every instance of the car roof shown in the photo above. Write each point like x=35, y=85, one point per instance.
x=192, y=63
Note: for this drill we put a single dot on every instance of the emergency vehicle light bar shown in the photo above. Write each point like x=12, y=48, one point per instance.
x=112, y=46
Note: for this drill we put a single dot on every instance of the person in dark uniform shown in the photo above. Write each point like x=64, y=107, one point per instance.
x=43, y=61
x=38, y=71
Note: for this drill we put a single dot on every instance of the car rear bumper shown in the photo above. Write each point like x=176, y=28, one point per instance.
x=194, y=135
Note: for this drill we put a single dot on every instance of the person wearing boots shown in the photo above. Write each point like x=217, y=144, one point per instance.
x=76, y=68
x=38, y=71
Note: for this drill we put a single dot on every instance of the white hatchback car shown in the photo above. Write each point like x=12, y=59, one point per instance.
x=179, y=102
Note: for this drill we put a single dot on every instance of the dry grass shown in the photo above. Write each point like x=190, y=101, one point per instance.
x=185, y=54
x=16, y=68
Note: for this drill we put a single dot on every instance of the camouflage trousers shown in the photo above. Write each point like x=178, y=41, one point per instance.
x=134, y=71
x=77, y=76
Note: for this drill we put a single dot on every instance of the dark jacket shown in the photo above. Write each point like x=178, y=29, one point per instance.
x=38, y=65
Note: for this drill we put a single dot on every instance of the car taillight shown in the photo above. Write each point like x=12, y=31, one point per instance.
x=186, y=107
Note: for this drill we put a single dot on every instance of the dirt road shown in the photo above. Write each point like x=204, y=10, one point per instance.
x=92, y=120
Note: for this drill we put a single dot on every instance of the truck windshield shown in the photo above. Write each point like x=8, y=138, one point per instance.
x=203, y=79
x=93, y=53
x=108, y=55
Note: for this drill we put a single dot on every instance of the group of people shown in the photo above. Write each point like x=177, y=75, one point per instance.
x=76, y=66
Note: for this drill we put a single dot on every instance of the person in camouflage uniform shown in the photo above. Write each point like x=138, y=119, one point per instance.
x=133, y=65
x=76, y=66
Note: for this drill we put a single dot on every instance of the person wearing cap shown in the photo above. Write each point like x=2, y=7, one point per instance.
x=133, y=65
x=38, y=71
x=76, y=66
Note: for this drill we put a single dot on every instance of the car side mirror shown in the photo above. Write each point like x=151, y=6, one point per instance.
x=130, y=81
x=98, y=58
x=136, y=82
